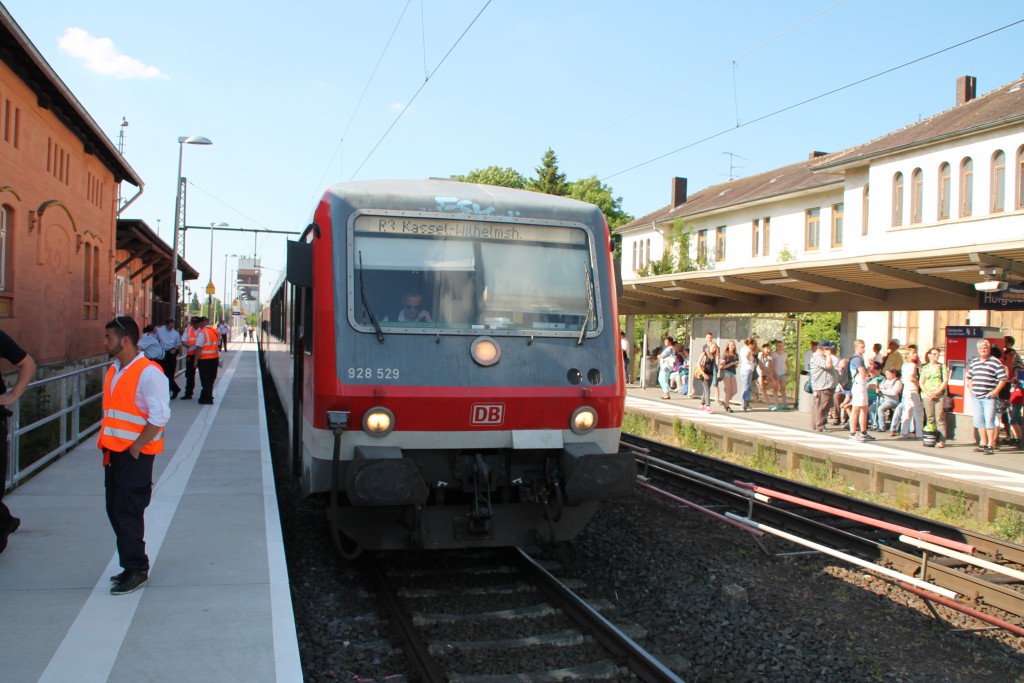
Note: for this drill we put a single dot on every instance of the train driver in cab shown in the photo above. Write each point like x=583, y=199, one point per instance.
x=413, y=311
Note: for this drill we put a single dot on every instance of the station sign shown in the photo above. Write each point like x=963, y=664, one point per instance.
x=1010, y=299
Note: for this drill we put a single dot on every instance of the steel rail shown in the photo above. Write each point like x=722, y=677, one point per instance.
x=639, y=661
x=878, y=549
x=416, y=650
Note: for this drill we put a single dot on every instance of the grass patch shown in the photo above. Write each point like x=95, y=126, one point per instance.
x=1009, y=525
x=637, y=425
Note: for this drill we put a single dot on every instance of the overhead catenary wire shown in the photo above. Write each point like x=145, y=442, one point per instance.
x=420, y=89
x=812, y=99
x=705, y=75
x=355, y=110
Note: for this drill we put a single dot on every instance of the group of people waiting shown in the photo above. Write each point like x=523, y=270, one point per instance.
x=730, y=371
x=906, y=395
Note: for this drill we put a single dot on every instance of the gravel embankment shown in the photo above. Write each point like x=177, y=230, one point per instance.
x=713, y=605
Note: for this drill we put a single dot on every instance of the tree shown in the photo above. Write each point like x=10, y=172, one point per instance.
x=494, y=175
x=549, y=180
x=595, y=192
x=194, y=307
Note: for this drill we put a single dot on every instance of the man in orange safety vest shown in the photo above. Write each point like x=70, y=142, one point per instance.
x=136, y=406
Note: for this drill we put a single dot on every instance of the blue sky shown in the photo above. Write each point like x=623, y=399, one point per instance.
x=607, y=85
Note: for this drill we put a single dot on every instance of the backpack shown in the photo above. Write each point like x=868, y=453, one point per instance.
x=846, y=377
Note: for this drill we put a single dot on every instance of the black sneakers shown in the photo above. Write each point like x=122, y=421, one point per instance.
x=131, y=582
x=118, y=578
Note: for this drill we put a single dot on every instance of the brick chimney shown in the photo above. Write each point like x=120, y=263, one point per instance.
x=678, y=192
x=966, y=89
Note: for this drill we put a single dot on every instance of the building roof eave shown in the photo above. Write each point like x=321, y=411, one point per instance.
x=28, y=63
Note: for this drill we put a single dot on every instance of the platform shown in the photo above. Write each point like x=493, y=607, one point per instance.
x=991, y=484
x=217, y=606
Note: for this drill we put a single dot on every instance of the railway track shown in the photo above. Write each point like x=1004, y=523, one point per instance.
x=975, y=574
x=500, y=617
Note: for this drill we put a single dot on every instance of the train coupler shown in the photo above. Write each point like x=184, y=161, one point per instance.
x=481, y=514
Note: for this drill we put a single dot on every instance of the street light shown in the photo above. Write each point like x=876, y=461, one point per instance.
x=182, y=141
x=210, y=289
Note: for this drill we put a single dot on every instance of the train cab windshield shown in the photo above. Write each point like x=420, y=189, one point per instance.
x=419, y=274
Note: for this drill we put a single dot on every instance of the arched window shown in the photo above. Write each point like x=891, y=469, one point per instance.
x=90, y=281
x=634, y=256
x=1020, y=177
x=966, y=187
x=86, y=279
x=916, y=196
x=95, y=282
x=944, y=181
x=647, y=256
x=864, y=203
x=6, y=248
x=897, y=199
x=998, y=181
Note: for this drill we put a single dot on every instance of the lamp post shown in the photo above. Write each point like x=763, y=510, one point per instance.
x=210, y=288
x=182, y=141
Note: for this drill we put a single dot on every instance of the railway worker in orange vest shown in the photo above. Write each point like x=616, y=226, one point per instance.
x=188, y=340
x=135, y=409
x=208, y=350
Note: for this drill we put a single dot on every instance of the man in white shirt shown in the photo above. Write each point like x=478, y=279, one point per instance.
x=224, y=331
x=150, y=345
x=170, y=340
x=131, y=436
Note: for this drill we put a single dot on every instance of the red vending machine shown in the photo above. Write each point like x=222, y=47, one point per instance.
x=961, y=347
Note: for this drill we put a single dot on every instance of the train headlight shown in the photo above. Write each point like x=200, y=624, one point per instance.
x=583, y=420
x=485, y=351
x=378, y=422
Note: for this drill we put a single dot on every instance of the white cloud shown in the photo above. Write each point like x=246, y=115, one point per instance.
x=102, y=57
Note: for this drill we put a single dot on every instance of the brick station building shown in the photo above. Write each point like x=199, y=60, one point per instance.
x=67, y=264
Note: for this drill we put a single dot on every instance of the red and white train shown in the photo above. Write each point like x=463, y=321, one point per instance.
x=448, y=358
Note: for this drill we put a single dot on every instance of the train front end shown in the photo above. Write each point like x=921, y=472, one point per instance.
x=468, y=387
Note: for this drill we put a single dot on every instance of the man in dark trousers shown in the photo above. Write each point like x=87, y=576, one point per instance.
x=208, y=354
x=188, y=342
x=16, y=356
x=136, y=406
x=170, y=340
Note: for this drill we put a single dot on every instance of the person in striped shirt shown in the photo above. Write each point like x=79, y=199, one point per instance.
x=985, y=377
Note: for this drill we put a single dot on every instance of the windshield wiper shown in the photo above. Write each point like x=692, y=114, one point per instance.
x=366, y=304
x=590, y=304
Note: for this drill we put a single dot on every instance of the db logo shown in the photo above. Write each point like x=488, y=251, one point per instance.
x=488, y=414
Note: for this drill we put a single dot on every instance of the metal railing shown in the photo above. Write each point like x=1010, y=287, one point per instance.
x=63, y=410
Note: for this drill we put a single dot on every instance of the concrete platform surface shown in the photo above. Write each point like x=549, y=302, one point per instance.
x=217, y=606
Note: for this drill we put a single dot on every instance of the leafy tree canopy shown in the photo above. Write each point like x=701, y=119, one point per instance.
x=494, y=175
x=550, y=180
x=597, y=193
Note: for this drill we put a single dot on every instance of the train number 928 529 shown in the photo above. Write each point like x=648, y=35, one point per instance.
x=373, y=373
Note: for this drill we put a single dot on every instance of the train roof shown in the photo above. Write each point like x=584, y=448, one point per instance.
x=454, y=197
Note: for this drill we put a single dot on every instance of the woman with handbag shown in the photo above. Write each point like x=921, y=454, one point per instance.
x=727, y=373
x=705, y=369
x=934, y=380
